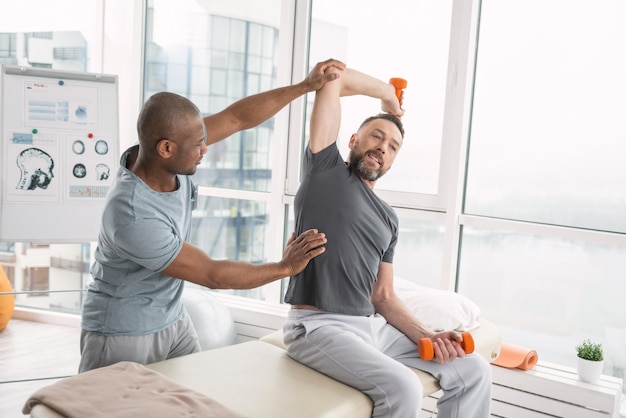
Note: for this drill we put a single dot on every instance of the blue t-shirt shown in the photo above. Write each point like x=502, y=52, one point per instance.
x=361, y=229
x=142, y=232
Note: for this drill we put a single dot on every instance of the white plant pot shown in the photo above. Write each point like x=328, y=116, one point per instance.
x=589, y=371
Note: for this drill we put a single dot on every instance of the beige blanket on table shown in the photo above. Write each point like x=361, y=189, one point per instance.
x=125, y=389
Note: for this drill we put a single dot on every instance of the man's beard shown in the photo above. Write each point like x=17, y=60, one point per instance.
x=359, y=166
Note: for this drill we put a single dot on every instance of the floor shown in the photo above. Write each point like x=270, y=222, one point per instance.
x=34, y=355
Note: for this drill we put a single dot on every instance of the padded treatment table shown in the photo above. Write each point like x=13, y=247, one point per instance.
x=258, y=380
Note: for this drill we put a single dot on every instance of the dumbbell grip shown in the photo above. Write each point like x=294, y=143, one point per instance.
x=427, y=352
x=399, y=84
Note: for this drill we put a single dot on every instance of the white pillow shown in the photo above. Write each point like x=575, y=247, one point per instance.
x=439, y=310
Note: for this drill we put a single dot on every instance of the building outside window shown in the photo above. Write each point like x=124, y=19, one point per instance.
x=223, y=54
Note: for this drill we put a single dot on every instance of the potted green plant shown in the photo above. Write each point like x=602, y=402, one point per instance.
x=590, y=360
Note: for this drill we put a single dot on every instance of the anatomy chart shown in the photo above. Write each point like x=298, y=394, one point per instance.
x=59, y=153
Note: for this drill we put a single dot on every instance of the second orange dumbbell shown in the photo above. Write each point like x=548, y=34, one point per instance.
x=427, y=352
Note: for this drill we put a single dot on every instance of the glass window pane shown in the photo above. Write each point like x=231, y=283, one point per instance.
x=548, y=131
x=255, y=40
x=218, y=83
x=232, y=229
x=411, y=45
x=61, y=35
x=419, y=252
x=47, y=276
x=237, y=34
x=547, y=293
x=221, y=46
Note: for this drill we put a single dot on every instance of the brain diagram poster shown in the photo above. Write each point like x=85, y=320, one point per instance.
x=59, y=153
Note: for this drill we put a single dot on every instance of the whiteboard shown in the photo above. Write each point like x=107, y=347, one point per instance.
x=59, y=153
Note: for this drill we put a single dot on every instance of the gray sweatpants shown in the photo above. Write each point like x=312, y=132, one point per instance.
x=174, y=341
x=370, y=355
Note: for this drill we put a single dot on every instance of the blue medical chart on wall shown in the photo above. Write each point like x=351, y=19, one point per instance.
x=59, y=153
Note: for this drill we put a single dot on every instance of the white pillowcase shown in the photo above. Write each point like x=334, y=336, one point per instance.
x=439, y=310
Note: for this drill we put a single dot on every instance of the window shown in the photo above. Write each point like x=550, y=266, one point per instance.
x=216, y=55
x=233, y=229
x=420, y=249
x=413, y=44
x=215, y=61
x=548, y=128
x=8, y=48
x=547, y=292
x=543, y=244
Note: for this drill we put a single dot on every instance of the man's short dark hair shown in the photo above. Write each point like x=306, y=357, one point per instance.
x=386, y=116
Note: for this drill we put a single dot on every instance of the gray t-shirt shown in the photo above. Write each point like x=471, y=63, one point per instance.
x=142, y=232
x=362, y=232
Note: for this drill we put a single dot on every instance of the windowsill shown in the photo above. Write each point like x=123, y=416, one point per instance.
x=250, y=311
x=47, y=317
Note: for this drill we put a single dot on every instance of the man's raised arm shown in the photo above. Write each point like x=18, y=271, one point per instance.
x=326, y=114
x=253, y=110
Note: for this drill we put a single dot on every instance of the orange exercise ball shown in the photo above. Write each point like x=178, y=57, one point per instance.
x=7, y=302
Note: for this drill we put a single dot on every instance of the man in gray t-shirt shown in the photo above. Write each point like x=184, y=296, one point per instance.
x=361, y=230
x=133, y=310
x=346, y=320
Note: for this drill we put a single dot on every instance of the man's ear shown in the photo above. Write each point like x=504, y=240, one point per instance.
x=353, y=139
x=165, y=148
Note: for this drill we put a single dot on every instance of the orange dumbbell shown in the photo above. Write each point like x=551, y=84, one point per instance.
x=399, y=84
x=427, y=352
